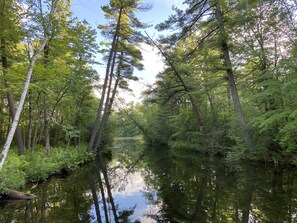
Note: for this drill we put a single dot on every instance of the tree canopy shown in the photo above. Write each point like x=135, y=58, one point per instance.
x=228, y=84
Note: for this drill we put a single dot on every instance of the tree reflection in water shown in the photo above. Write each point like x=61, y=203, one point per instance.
x=159, y=185
x=83, y=196
x=192, y=188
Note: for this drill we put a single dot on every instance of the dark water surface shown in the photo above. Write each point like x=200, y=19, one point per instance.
x=161, y=186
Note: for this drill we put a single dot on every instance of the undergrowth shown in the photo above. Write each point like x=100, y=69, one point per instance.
x=36, y=166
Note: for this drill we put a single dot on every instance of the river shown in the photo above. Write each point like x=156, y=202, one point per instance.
x=159, y=185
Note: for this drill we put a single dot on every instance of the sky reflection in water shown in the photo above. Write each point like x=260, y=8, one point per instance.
x=160, y=185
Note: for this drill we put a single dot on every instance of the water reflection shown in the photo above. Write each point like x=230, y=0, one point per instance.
x=193, y=189
x=104, y=191
x=55, y=198
x=157, y=185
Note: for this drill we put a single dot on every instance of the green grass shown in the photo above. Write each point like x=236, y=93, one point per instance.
x=34, y=167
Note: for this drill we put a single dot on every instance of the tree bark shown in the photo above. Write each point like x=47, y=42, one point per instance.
x=230, y=76
x=25, y=90
x=30, y=125
x=108, y=68
x=109, y=103
x=106, y=117
x=46, y=117
x=19, y=109
x=35, y=136
x=46, y=133
x=18, y=136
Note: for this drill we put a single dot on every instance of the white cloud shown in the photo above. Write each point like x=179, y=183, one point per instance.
x=134, y=184
x=153, y=64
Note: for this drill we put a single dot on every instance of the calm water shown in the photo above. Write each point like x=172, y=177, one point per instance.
x=161, y=186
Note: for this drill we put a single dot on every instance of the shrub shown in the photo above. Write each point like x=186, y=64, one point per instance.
x=12, y=175
x=34, y=167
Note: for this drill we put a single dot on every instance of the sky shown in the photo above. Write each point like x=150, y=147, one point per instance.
x=90, y=10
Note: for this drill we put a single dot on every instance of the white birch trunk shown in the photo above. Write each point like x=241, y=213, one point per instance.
x=18, y=112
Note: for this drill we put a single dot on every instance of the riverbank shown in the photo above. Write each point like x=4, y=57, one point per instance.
x=36, y=167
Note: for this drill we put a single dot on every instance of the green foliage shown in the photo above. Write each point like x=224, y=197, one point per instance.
x=156, y=125
x=13, y=175
x=123, y=126
x=35, y=167
x=262, y=63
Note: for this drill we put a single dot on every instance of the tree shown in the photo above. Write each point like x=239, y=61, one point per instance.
x=63, y=74
x=121, y=59
x=230, y=75
x=191, y=21
x=26, y=84
x=11, y=34
x=231, y=54
x=172, y=66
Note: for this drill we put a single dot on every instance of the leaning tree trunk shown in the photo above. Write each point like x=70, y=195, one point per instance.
x=230, y=76
x=106, y=116
x=18, y=136
x=19, y=108
x=16, y=118
x=109, y=101
x=108, y=68
x=185, y=87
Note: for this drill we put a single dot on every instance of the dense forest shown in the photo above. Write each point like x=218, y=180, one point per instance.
x=228, y=87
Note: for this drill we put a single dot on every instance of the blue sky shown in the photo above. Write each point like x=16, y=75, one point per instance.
x=90, y=10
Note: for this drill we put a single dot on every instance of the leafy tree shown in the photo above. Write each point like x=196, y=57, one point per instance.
x=121, y=59
x=11, y=34
x=26, y=86
x=61, y=52
x=229, y=53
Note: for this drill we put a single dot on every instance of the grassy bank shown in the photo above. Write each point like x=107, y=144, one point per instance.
x=35, y=167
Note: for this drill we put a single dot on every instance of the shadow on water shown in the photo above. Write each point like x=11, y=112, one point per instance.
x=159, y=185
x=199, y=189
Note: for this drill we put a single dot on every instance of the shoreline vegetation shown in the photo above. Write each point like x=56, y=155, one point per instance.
x=37, y=167
x=227, y=87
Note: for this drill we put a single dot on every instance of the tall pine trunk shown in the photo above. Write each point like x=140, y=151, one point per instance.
x=230, y=76
x=106, y=115
x=110, y=63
